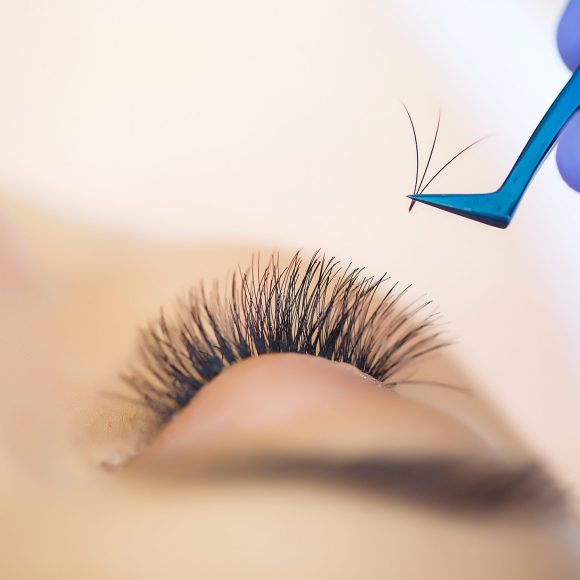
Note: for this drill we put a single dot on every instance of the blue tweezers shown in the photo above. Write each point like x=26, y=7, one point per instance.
x=497, y=208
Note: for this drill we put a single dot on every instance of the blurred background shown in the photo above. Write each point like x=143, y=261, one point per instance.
x=273, y=122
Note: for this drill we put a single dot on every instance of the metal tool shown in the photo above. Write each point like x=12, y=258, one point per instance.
x=497, y=208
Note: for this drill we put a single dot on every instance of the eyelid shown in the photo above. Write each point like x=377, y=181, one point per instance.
x=318, y=309
x=298, y=402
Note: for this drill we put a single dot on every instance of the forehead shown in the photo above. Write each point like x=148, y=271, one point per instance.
x=258, y=531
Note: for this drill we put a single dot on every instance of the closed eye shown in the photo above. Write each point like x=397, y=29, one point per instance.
x=319, y=308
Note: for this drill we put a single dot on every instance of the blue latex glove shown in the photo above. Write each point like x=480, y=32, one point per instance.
x=568, y=154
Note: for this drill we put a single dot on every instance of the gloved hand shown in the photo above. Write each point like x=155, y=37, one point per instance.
x=568, y=154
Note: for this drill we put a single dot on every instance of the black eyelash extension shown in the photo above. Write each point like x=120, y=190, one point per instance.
x=419, y=188
x=322, y=310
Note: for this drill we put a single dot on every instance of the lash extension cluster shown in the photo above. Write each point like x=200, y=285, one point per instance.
x=419, y=188
x=318, y=308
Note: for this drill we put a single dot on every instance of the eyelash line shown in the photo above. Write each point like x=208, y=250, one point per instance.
x=327, y=311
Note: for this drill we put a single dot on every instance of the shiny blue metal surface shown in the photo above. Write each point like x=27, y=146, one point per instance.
x=498, y=208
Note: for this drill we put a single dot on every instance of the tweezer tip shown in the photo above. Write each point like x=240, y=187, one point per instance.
x=413, y=199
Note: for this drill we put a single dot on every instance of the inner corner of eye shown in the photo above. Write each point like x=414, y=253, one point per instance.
x=314, y=307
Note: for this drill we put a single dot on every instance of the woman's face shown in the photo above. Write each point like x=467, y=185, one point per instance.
x=283, y=465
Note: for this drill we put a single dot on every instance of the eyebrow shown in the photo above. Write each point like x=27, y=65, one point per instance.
x=453, y=484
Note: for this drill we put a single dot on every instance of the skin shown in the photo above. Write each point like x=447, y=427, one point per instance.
x=71, y=302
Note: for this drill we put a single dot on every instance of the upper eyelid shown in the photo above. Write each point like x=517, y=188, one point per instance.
x=322, y=309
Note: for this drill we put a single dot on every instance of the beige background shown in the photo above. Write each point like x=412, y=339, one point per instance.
x=279, y=123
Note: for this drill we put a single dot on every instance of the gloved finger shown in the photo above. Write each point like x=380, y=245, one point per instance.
x=568, y=35
x=568, y=154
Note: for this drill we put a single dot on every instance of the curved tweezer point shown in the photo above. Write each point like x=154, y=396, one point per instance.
x=481, y=207
x=497, y=208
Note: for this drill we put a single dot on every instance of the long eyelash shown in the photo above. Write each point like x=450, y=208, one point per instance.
x=431, y=152
x=323, y=310
x=451, y=161
x=416, y=149
x=419, y=188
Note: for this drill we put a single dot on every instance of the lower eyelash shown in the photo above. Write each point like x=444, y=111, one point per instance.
x=322, y=310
